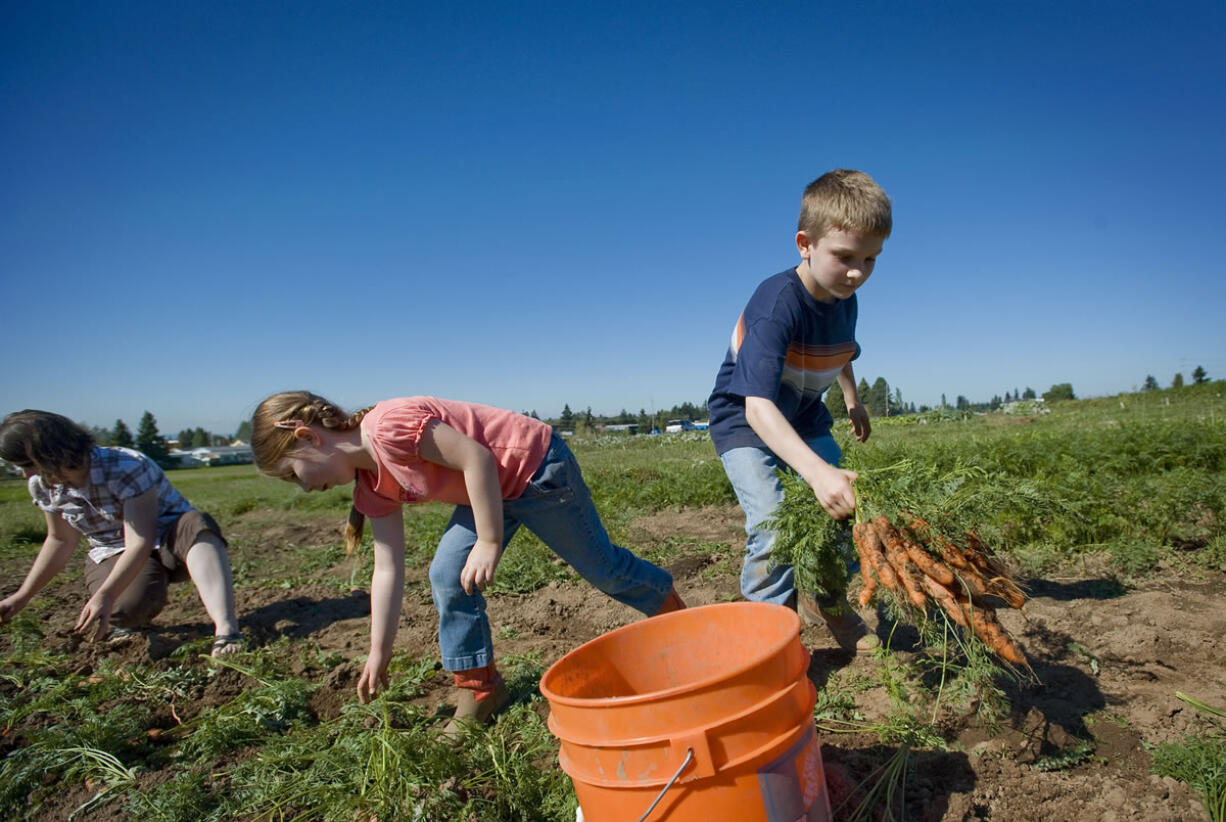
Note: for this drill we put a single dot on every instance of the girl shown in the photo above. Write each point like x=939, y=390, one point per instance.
x=499, y=468
x=142, y=533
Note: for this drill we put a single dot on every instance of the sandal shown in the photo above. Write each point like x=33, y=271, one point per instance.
x=228, y=644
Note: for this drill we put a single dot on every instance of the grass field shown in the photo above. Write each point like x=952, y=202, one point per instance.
x=1104, y=498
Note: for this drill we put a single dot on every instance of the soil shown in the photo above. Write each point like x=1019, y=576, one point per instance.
x=1107, y=662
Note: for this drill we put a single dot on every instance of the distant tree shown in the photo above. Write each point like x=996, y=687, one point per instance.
x=1178, y=381
x=149, y=441
x=201, y=438
x=862, y=391
x=995, y=403
x=101, y=435
x=897, y=406
x=567, y=421
x=835, y=403
x=962, y=403
x=1059, y=391
x=121, y=436
x=943, y=403
x=1199, y=376
x=1151, y=384
x=1030, y=395
x=185, y=438
x=644, y=421
x=879, y=398
x=244, y=431
x=1008, y=397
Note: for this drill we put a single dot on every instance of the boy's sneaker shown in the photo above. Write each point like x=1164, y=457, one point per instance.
x=844, y=624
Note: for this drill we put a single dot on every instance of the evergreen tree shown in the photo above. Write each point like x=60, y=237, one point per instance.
x=244, y=431
x=835, y=402
x=1199, y=376
x=102, y=436
x=149, y=441
x=567, y=421
x=1151, y=384
x=1030, y=395
x=644, y=422
x=121, y=436
x=962, y=403
x=201, y=438
x=185, y=438
x=878, y=401
x=1059, y=391
x=1178, y=381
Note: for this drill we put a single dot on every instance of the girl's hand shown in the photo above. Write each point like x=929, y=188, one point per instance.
x=479, y=569
x=10, y=607
x=374, y=677
x=97, y=609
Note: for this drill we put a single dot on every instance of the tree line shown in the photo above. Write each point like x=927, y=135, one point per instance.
x=149, y=441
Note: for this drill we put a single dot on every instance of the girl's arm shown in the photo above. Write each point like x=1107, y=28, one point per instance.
x=442, y=444
x=62, y=539
x=140, y=520
x=386, y=592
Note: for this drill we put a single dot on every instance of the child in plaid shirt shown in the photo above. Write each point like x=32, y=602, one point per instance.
x=142, y=533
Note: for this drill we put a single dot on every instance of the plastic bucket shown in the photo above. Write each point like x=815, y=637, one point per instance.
x=706, y=712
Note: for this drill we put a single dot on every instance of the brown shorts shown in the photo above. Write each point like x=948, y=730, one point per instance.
x=145, y=597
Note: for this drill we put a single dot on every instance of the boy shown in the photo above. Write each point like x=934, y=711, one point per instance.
x=795, y=337
x=142, y=533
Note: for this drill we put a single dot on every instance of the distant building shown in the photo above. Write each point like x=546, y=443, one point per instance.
x=216, y=455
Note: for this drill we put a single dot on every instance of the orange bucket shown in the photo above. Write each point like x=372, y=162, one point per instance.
x=698, y=715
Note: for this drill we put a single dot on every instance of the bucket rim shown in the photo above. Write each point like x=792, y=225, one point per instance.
x=579, y=702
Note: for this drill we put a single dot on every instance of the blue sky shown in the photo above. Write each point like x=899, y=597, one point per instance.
x=533, y=204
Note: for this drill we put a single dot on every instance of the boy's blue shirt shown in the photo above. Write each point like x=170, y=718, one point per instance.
x=786, y=347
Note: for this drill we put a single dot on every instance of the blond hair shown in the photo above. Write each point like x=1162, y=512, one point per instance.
x=272, y=439
x=845, y=200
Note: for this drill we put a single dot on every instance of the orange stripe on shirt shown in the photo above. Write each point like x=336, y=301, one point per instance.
x=819, y=357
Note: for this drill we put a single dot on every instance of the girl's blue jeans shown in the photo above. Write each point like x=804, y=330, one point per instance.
x=558, y=508
x=754, y=473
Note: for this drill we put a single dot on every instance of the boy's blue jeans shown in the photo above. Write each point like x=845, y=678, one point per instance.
x=755, y=479
x=558, y=508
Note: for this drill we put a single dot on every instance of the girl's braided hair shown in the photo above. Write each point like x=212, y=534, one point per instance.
x=272, y=439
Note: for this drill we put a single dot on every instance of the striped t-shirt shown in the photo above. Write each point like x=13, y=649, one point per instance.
x=786, y=347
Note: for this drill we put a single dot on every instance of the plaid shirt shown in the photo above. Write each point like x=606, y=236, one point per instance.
x=115, y=476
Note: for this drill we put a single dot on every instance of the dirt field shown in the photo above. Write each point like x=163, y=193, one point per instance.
x=1109, y=661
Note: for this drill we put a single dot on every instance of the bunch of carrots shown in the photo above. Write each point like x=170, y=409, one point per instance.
x=922, y=568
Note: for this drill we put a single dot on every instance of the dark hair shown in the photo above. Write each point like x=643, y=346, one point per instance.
x=44, y=440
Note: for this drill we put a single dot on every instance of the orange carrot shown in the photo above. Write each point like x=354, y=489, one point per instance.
x=945, y=598
x=993, y=634
x=867, y=567
x=876, y=553
x=897, y=555
x=929, y=564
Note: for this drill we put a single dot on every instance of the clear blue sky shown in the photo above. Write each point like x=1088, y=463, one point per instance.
x=531, y=204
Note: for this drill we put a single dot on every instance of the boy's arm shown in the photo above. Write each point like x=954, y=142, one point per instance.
x=140, y=519
x=62, y=539
x=442, y=444
x=386, y=593
x=831, y=486
x=856, y=411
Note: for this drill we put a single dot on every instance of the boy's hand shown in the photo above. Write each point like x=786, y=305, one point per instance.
x=98, y=609
x=858, y=415
x=479, y=569
x=832, y=488
x=374, y=676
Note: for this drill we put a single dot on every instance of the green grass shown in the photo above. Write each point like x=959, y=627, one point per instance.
x=1138, y=479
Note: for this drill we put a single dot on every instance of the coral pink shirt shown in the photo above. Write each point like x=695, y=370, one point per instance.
x=394, y=429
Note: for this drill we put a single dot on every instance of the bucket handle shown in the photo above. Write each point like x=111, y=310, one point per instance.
x=689, y=756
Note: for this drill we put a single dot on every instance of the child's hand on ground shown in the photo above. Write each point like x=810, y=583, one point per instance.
x=98, y=609
x=374, y=677
x=832, y=488
x=479, y=570
x=10, y=607
x=858, y=415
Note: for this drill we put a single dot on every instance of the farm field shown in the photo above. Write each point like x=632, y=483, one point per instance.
x=1122, y=548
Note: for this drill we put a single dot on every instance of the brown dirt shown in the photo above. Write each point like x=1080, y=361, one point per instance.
x=1108, y=662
